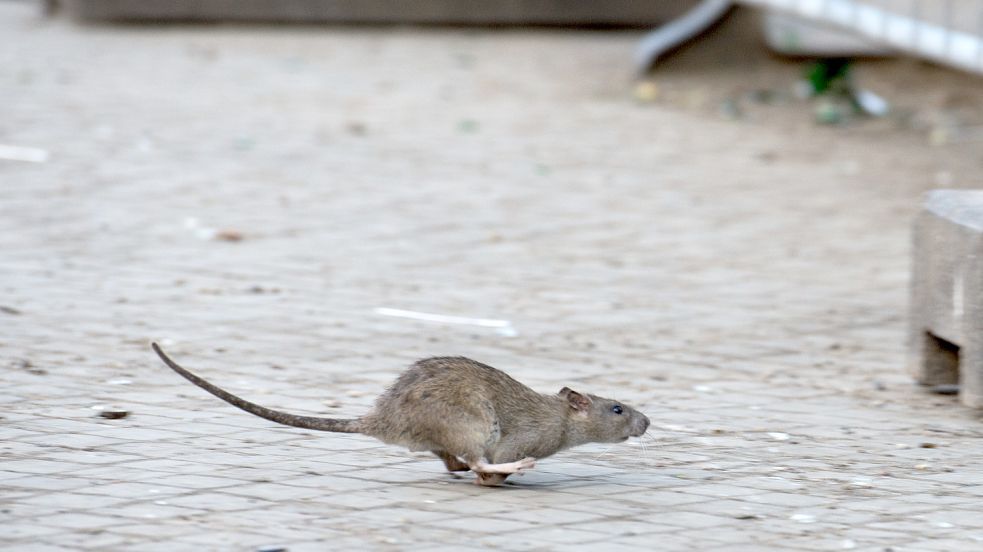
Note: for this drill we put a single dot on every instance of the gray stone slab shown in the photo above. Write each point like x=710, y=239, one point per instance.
x=945, y=336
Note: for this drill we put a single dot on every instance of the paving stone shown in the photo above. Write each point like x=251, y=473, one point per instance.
x=75, y=520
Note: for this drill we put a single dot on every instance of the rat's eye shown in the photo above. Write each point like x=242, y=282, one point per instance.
x=617, y=409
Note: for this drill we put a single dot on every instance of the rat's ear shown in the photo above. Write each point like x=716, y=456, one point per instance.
x=576, y=400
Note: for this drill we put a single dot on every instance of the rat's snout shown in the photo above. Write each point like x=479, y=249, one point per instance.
x=639, y=425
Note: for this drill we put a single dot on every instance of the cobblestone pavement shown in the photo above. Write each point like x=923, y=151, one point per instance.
x=744, y=285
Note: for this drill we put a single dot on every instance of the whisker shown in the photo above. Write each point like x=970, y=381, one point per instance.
x=603, y=452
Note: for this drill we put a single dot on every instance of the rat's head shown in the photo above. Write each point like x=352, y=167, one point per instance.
x=598, y=420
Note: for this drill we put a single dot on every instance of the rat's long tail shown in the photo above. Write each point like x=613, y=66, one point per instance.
x=306, y=422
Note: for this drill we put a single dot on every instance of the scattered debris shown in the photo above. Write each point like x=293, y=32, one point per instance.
x=839, y=99
x=206, y=233
x=272, y=549
x=229, y=235
x=748, y=516
x=28, y=366
x=20, y=153
x=928, y=445
x=646, y=91
x=861, y=484
x=779, y=436
x=870, y=103
x=113, y=413
x=257, y=289
x=502, y=327
x=9, y=310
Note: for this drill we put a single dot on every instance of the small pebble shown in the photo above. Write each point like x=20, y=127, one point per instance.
x=27, y=365
x=945, y=389
x=272, y=549
x=357, y=128
x=113, y=413
x=803, y=518
x=927, y=445
x=229, y=236
x=646, y=92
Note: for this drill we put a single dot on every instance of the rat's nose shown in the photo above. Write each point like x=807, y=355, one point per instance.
x=641, y=425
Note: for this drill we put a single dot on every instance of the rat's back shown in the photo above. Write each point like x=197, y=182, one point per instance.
x=440, y=402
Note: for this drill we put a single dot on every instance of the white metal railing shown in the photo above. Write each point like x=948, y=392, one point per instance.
x=949, y=32
x=945, y=31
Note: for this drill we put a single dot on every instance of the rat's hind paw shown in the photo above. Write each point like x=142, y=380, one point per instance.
x=526, y=463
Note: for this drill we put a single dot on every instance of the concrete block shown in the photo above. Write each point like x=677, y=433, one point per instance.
x=946, y=318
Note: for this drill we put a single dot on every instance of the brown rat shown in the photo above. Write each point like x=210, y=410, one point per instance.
x=472, y=416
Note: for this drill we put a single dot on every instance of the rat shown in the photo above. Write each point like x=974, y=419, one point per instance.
x=472, y=416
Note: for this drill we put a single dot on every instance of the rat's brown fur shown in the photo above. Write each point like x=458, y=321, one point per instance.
x=466, y=412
